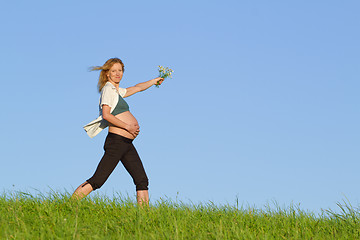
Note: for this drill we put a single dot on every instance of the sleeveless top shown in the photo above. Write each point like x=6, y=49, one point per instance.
x=120, y=107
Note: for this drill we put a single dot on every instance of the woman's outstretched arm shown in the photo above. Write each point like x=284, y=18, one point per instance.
x=142, y=86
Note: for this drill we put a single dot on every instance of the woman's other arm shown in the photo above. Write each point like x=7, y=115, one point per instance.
x=132, y=129
x=142, y=86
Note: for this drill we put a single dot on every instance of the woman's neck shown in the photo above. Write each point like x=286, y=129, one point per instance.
x=114, y=83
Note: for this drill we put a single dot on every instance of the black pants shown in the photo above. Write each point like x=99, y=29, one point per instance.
x=119, y=148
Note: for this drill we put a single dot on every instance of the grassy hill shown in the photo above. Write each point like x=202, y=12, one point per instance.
x=23, y=216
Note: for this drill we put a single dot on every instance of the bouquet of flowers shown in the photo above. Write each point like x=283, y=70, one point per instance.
x=164, y=72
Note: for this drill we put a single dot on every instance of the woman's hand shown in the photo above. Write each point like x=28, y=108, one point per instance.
x=133, y=129
x=158, y=81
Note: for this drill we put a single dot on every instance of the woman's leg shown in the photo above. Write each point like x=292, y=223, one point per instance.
x=114, y=150
x=134, y=166
x=82, y=191
x=142, y=197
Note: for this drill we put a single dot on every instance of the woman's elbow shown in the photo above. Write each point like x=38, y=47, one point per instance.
x=106, y=116
x=138, y=88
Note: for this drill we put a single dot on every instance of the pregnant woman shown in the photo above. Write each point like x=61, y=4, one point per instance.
x=123, y=129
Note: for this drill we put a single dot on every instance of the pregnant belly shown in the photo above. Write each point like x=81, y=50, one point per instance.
x=126, y=117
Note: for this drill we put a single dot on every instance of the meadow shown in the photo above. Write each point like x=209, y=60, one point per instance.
x=55, y=216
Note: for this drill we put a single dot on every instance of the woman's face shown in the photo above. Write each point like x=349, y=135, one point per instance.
x=115, y=73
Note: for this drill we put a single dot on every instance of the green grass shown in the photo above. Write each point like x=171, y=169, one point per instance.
x=54, y=216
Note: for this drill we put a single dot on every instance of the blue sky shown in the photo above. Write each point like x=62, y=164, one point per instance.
x=263, y=105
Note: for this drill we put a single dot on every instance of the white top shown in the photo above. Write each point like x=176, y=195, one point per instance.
x=109, y=96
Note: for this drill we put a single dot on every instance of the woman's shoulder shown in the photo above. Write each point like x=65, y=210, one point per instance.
x=108, y=88
x=108, y=91
x=108, y=85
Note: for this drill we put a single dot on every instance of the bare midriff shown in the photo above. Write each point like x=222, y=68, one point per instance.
x=126, y=117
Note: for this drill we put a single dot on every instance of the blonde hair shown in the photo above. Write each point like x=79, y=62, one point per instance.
x=103, y=78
